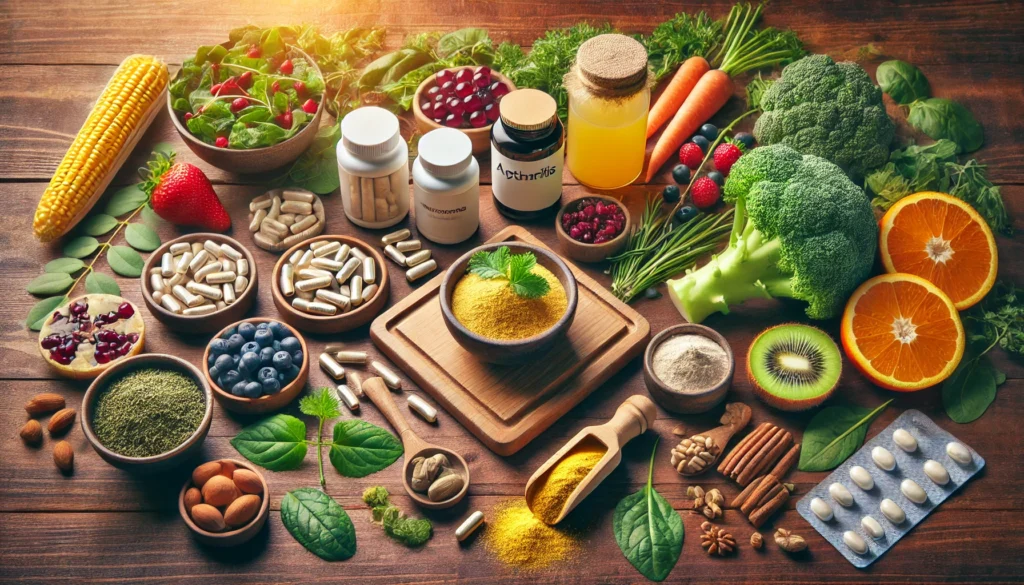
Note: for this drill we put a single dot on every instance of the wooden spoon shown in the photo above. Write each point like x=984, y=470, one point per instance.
x=737, y=415
x=631, y=419
x=415, y=446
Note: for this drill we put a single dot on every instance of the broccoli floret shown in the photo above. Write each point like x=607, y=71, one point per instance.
x=827, y=109
x=802, y=230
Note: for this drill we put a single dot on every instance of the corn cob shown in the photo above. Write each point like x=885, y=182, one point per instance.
x=138, y=82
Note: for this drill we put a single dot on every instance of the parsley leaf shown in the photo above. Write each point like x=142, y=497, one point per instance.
x=516, y=268
x=321, y=404
x=490, y=264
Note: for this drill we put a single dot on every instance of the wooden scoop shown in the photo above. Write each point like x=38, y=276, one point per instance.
x=737, y=415
x=632, y=418
x=415, y=446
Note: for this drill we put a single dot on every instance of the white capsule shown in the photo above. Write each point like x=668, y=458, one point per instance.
x=883, y=458
x=300, y=304
x=303, y=223
x=221, y=305
x=156, y=283
x=286, y=281
x=326, y=264
x=369, y=292
x=201, y=274
x=198, y=261
x=212, y=247
x=197, y=247
x=342, y=254
x=293, y=195
x=904, y=440
x=261, y=202
x=295, y=257
x=180, y=247
x=257, y=220
x=200, y=310
x=391, y=379
x=171, y=304
x=856, y=543
x=469, y=525
x=369, y=271
x=936, y=472
x=358, y=254
x=243, y=267
x=220, y=277
x=317, y=244
x=872, y=527
x=394, y=255
x=349, y=268
x=343, y=289
x=306, y=258
x=226, y=265
x=861, y=477
x=322, y=309
x=241, y=282
x=422, y=408
x=348, y=397
x=393, y=237
x=327, y=249
x=351, y=357
x=167, y=265
x=356, y=286
x=408, y=246
x=186, y=297
x=821, y=509
x=306, y=273
x=892, y=511
x=913, y=491
x=840, y=494
x=211, y=292
x=300, y=207
x=174, y=280
x=417, y=258
x=230, y=252
x=157, y=296
x=327, y=296
x=313, y=283
x=957, y=452
x=228, y=291
x=183, y=262
x=332, y=367
x=419, y=271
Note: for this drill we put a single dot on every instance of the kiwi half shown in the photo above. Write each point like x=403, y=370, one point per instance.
x=794, y=367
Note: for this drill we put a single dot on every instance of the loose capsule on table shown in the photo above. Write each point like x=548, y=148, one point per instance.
x=332, y=367
x=469, y=525
x=393, y=237
x=350, y=357
x=355, y=382
x=408, y=246
x=394, y=255
x=417, y=258
x=348, y=397
x=417, y=272
x=391, y=379
x=422, y=408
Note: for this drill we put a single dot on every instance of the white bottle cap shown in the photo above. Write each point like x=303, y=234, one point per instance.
x=445, y=152
x=370, y=132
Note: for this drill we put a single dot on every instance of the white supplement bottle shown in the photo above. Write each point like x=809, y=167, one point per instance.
x=446, y=187
x=373, y=166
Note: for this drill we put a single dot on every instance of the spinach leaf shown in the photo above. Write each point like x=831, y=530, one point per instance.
x=649, y=532
x=360, y=448
x=967, y=394
x=834, y=434
x=903, y=82
x=376, y=70
x=472, y=42
x=276, y=443
x=258, y=135
x=254, y=114
x=942, y=118
x=410, y=62
x=321, y=525
x=317, y=168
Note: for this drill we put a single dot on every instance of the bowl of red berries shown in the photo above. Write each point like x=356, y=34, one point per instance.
x=465, y=98
x=592, y=228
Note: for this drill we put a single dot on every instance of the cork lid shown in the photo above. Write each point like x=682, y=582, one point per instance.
x=370, y=132
x=613, y=62
x=527, y=110
x=445, y=152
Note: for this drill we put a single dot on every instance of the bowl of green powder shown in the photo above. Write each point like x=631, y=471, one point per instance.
x=148, y=413
x=688, y=368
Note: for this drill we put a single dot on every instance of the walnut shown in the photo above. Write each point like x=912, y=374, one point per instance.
x=716, y=540
x=756, y=540
x=789, y=541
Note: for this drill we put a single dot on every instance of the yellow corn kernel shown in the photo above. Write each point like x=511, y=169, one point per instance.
x=138, y=82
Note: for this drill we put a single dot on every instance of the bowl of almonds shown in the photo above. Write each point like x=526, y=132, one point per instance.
x=224, y=502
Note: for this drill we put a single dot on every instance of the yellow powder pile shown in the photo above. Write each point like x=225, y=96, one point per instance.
x=521, y=540
x=550, y=497
x=490, y=308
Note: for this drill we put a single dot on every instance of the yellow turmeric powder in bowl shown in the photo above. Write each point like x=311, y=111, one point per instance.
x=490, y=308
x=550, y=497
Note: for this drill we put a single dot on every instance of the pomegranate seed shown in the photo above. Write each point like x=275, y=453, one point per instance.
x=50, y=342
x=483, y=70
x=471, y=103
x=433, y=92
x=133, y=337
x=498, y=89
x=481, y=80
x=310, y=106
x=102, y=358
x=286, y=67
x=477, y=119
x=463, y=89
x=428, y=109
x=221, y=142
x=438, y=120
x=125, y=310
x=464, y=75
x=485, y=96
x=443, y=76
x=492, y=112
x=453, y=121
x=455, y=106
x=448, y=88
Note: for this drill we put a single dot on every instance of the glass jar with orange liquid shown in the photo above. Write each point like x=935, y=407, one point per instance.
x=609, y=97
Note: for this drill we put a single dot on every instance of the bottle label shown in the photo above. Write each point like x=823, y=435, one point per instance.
x=527, y=185
x=447, y=218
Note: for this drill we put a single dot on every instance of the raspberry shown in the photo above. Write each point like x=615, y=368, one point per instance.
x=691, y=155
x=705, y=193
x=725, y=156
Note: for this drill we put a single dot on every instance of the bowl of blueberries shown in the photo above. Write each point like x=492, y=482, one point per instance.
x=256, y=365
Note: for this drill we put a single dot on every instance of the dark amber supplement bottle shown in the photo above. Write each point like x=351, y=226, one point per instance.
x=527, y=154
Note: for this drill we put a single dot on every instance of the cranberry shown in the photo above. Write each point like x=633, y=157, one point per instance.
x=310, y=106
x=463, y=89
x=478, y=119
x=587, y=238
x=455, y=106
x=433, y=92
x=253, y=52
x=443, y=76
x=245, y=80
x=448, y=88
x=498, y=89
x=453, y=121
x=492, y=112
x=221, y=142
x=239, y=104
x=481, y=80
x=286, y=67
x=464, y=75
x=483, y=70
x=472, y=103
x=575, y=232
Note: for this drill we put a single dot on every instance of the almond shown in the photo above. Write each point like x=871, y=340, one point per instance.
x=207, y=517
x=61, y=420
x=44, y=403
x=193, y=497
x=227, y=468
x=63, y=456
x=204, y=472
x=32, y=432
x=219, y=491
x=242, y=510
x=248, y=482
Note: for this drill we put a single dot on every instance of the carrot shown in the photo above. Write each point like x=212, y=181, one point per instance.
x=712, y=91
x=675, y=92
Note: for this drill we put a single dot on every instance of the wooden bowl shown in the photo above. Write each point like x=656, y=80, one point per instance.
x=267, y=402
x=480, y=137
x=458, y=465
x=230, y=537
x=673, y=400
x=502, y=351
x=201, y=323
x=591, y=252
x=163, y=461
x=361, y=315
x=253, y=160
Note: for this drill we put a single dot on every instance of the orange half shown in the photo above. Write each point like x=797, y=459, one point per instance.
x=943, y=240
x=902, y=332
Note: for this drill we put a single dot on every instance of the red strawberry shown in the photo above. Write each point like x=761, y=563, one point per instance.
x=691, y=155
x=725, y=156
x=704, y=192
x=181, y=194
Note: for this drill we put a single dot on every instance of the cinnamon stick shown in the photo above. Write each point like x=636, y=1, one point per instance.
x=737, y=465
x=738, y=500
x=741, y=448
x=763, y=487
x=787, y=462
x=758, y=516
x=770, y=495
x=765, y=457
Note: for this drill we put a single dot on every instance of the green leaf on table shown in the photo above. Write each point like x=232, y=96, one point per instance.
x=141, y=237
x=834, y=434
x=903, y=82
x=50, y=283
x=360, y=448
x=125, y=200
x=276, y=443
x=81, y=246
x=65, y=265
x=648, y=530
x=98, y=224
x=318, y=523
x=42, y=310
x=967, y=394
x=490, y=264
x=321, y=404
x=941, y=118
x=149, y=217
x=99, y=283
x=317, y=168
x=125, y=261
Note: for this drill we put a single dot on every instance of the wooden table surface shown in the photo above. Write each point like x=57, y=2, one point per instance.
x=102, y=525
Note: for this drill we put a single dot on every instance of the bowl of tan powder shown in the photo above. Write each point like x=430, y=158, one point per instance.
x=508, y=301
x=688, y=368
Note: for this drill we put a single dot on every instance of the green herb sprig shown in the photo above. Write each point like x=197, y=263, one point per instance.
x=411, y=532
x=516, y=268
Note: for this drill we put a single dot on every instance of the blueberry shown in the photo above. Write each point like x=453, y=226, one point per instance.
x=250, y=346
x=292, y=373
x=297, y=357
x=214, y=373
x=264, y=337
x=266, y=374
x=224, y=362
x=652, y=293
x=230, y=378
x=253, y=390
x=670, y=194
x=249, y=363
x=681, y=174
x=282, y=360
x=686, y=213
x=267, y=356
x=230, y=332
x=235, y=357
x=239, y=389
x=235, y=343
x=218, y=346
x=280, y=376
x=247, y=330
x=702, y=142
x=717, y=178
x=709, y=131
x=212, y=359
x=271, y=386
x=276, y=345
x=279, y=330
x=262, y=326
x=746, y=138
x=290, y=344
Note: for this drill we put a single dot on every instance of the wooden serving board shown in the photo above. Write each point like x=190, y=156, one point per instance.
x=507, y=406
